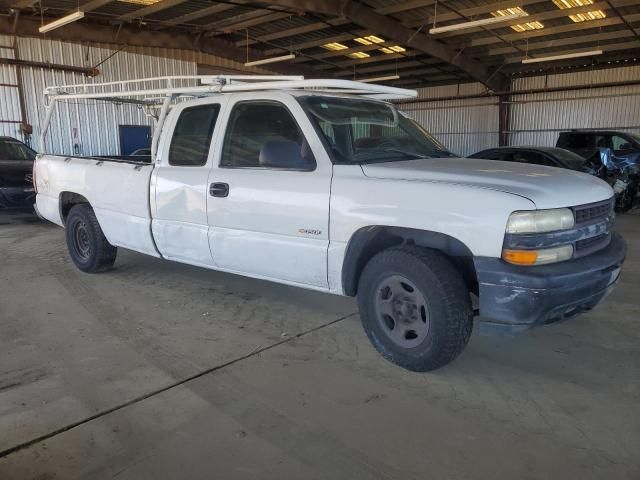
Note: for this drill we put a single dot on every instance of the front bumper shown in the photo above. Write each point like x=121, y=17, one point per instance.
x=514, y=298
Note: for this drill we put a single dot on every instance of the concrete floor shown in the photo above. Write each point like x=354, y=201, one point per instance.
x=162, y=371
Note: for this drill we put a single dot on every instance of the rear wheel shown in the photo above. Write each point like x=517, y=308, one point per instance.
x=87, y=245
x=415, y=307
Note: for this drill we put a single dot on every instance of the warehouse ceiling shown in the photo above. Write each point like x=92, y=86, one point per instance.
x=363, y=39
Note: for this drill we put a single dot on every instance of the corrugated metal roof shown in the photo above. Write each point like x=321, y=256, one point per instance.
x=498, y=46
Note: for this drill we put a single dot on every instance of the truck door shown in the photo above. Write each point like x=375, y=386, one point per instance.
x=269, y=193
x=179, y=183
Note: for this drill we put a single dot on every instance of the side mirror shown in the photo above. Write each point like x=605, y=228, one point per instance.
x=283, y=154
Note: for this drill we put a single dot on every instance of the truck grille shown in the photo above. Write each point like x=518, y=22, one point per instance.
x=593, y=244
x=593, y=211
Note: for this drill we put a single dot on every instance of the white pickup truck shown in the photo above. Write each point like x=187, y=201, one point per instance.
x=334, y=190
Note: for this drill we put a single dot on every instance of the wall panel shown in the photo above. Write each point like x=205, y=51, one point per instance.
x=464, y=126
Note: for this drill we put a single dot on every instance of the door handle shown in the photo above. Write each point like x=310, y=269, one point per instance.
x=219, y=189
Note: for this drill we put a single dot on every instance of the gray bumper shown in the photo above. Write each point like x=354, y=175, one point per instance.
x=514, y=298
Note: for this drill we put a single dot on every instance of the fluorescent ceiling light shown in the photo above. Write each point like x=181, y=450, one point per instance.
x=393, y=49
x=479, y=23
x=369, y=39
x=562, y=57
x=521, y=27
x=73, y=17
x=334, y=46
x=283, y=58
x=379, y=79
x=588, y=16
x=580, y=17
x=562, y=4
x=358, y=55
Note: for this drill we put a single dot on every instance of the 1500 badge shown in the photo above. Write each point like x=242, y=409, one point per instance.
x=309, y=231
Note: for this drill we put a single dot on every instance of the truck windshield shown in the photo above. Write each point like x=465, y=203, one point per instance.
x=368, y=131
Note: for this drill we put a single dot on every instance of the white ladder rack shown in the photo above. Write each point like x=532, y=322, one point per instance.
x=153, y=90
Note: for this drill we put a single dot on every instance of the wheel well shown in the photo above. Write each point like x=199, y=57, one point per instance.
x=369, y=241
x=67, y=201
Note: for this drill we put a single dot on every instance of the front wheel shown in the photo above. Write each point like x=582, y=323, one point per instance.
x=415, y=307
x=88, y=247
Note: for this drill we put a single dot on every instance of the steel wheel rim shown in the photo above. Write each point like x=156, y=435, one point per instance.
x=401, y=311
x=82, y=241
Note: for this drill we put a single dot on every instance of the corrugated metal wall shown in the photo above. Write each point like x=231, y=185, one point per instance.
x=536, y=119
x=92, y=128
x=10, y=116
x=464, y=126
x=84, y=128
x=470, y=125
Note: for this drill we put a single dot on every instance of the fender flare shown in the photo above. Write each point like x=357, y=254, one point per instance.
x=368, y=241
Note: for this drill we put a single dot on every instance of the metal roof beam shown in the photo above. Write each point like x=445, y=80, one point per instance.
x=92, y=5
x=150, y=9
x=205, y=12
x=250, y=19
x=407, y=37
x=392, y=29
x=343, y=37
x=291, y=32
x=405, y=6
x=382, y=68
x=362, y=61
x=24, y=3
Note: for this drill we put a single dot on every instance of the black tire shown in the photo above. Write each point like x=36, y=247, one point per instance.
x=87, y=245
x=430, y=329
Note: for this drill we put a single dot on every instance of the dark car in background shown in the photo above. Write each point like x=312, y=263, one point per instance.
x=549, y=156
x=16, y=169
x=587, y=144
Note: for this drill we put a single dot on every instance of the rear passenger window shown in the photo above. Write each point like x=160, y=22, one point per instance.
x=254, y=124
x=580, y=141
x=192, y=136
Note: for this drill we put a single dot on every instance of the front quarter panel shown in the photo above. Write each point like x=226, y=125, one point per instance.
x=475, y=216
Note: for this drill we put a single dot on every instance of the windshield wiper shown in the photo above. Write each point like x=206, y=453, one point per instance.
x=407, y=153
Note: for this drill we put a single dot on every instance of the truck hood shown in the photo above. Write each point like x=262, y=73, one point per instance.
x=547, y=187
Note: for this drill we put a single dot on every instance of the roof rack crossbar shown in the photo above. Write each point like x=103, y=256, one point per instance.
x=209, y=85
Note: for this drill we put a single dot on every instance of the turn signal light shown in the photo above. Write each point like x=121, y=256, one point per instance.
x=520, y=257
x=538, y=257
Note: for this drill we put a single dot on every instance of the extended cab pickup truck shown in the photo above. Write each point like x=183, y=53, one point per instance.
x=343, y=193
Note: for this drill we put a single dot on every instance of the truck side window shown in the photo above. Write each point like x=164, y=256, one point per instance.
x=252, y=125
x=192, y=136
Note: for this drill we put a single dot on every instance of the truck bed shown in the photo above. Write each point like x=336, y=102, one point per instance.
x=116, y=187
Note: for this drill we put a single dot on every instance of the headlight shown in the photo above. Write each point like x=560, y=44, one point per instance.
x=540, y=221
x=538, y=257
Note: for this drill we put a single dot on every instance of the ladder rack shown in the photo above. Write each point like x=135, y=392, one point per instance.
x=152, y=90
x=157, y=94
